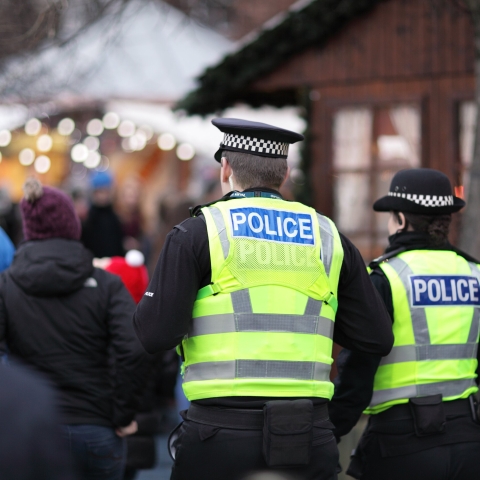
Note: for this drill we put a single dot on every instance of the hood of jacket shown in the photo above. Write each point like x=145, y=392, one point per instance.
x=419, y=241
x=51, y=267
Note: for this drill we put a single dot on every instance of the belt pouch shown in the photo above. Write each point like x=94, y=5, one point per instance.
x=357, y=458
x=287, y=432
x=428, y=415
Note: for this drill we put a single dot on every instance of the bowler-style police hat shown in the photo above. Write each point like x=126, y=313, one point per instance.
x=254, y=137
x=420, y=190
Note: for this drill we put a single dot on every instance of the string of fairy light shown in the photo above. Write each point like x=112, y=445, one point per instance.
x=87, y=151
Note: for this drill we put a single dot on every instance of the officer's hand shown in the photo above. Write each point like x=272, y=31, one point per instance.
x=128, y=430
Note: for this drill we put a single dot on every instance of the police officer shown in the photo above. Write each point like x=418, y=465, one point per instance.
x=423, y=422
x=254, y=290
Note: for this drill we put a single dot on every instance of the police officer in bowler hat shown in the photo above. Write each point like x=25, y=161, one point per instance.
x=423, y=414
x=253, y=290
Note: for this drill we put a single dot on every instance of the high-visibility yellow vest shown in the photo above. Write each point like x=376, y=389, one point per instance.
x=264, y=327
x=436, y=300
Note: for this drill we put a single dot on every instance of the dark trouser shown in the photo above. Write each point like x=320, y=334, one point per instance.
x=447, y=462
x=98, y=453
x=205, y=452
x=395, y=445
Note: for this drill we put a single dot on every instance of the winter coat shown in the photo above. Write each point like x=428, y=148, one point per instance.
x=102, y=232
x=31, y=447
x=73, y=323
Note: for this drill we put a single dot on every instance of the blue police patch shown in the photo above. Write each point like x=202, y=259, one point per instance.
x=274, y=225
x=444, y=290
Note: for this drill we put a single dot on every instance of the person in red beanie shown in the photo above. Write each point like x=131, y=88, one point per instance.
x=132, y=271
x=72, y=323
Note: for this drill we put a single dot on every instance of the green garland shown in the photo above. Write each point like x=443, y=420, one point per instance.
x=227, y=83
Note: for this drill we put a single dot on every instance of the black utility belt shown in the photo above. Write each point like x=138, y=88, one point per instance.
x=428, y=415
x=287, y=427
x=240, y=418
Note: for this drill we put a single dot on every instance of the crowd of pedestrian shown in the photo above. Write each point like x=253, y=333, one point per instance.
x=69, y=355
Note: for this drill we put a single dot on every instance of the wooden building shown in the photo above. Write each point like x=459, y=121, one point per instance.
x=384, y=84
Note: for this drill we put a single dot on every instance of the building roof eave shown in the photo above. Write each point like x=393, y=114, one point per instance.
x=221, y=85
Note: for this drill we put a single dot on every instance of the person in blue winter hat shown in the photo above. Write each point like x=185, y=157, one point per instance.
x=7, y=250
x=101, y=180
x=102, y=231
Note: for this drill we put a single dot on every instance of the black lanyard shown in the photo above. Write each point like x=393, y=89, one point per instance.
x=257, y=193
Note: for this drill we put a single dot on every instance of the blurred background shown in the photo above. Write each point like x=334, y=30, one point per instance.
x=129, y=87
x=89, y=87
x=111, y=100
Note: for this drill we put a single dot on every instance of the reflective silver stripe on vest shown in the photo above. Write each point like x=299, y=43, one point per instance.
x=419, y=318
x=261, y=322
x=326, y=237
x=257, y=369
x=241, y=301
x=449, y=388
x=475, y=327
x=221, y=229
x=313, y=307
x=414, y=353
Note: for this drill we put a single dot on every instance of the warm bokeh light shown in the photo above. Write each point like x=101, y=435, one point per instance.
x=111, y=120
x=33, y=126
x=5, y=138
x=95, y=127
x=79, y=153
x=26, y=157
x=42, y=164
x=185, y=152
x=137, y=142
x=166, y=141
x=126, y=145
x=147, y=130
x=93, y=160
x=44, y=143
x=126, y=128
x=92, y=143
x=66, y=126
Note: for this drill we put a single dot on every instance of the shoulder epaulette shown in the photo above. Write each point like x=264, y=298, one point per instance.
x=377, y=261
x=195, y=211
x=465, y=255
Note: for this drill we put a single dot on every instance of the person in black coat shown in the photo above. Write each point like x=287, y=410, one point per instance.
x=72, y=322
x=30, y=441
x=102, y=231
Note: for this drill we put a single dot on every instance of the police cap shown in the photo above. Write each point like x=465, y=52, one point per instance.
x=254, y=137
x=420, y=190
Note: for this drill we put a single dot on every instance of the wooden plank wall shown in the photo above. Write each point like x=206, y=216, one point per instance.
x=403, y=51
x=398, y=39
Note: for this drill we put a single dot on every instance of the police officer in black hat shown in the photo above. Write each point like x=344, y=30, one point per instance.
x=253, y=290
x=421, y=397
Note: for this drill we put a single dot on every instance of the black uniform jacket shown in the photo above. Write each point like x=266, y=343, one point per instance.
x=163, y=316
x=354, y=384
x=72, y=323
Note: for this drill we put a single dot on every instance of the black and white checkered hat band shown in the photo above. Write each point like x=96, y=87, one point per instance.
x=425, y=200
x=255, y=145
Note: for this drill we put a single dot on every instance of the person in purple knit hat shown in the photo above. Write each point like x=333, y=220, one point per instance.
x=72, y=323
